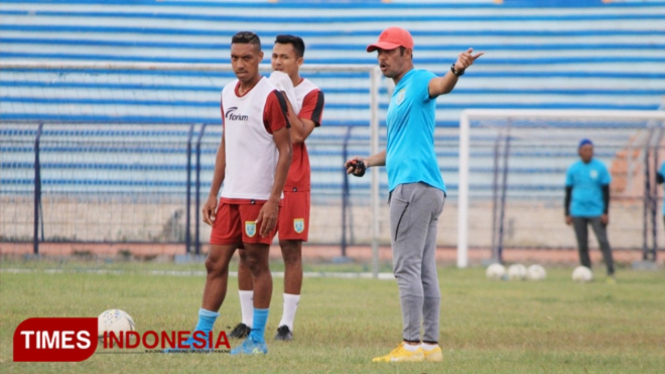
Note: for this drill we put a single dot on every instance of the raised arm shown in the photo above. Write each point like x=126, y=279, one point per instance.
x=301, y=128
x=443, y=85
x=309, y=116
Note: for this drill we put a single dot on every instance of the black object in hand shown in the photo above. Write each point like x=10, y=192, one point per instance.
x=359, y=168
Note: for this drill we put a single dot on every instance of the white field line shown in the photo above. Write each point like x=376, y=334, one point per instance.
x=382, y=276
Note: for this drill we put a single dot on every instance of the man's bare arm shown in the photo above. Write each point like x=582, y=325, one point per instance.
x=300, y=127
x=443, y=85
x=268, y=214
x=210, y=207
x=282, y=139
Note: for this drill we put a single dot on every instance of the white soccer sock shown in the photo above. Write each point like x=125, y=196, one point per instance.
x=429, y=347
x=290, y=307
x=411, y=348
x=247, y=307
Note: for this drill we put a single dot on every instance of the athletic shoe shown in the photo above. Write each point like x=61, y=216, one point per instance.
x=401, y=354
x=283, y=333
x=250, y=347
x=241, y=331
x=611, y=279
x=433, y=355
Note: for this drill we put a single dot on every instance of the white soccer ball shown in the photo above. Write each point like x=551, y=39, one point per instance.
x=517, y=272
x=114, y=320
x=495, y=272
x=582, y=274
x=536, y=273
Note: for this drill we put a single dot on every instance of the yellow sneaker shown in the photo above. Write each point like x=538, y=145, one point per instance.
x=433, y=355
x=400, y=354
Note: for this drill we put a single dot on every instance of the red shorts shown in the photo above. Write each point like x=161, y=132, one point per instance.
x=236, y=223
x=294, y=216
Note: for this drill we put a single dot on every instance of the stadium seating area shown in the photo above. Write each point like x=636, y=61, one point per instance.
x=606, y=56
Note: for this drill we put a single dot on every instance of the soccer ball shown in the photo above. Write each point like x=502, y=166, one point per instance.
x=582, y=274
x=495, y=272
x=114, y=320
x=517, y=272
x=536, y=273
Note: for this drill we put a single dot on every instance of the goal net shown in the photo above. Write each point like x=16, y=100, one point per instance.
x=512, y=175
x=110, y=155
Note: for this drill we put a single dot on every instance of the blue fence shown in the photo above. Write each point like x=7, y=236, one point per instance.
x=99, y=183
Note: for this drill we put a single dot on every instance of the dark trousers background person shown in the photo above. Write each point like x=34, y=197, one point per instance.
x=587, y=202
x=581, y=226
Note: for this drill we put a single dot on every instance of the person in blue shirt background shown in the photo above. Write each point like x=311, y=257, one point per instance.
x=587, y=202
x=417, y=191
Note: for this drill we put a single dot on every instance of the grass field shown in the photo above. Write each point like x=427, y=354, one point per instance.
x=554, y=326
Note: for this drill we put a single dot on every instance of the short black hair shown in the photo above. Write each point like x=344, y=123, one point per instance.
x=246, y=37
x=295, y=41
x=402, y=50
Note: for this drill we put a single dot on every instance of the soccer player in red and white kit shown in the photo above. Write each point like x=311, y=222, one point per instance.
x=252, y=161
x=305, y=102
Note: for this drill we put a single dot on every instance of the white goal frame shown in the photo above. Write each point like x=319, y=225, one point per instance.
x=464, y=150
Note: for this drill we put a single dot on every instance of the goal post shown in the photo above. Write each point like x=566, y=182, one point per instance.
x=164, y=103
x=551, y=128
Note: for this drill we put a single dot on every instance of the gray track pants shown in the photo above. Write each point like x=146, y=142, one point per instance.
x=582, y=233
x=414, y=213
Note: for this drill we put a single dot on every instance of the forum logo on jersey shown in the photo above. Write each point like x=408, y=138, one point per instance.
x=233, y=116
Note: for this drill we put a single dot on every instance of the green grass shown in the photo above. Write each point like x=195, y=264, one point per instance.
x=554, y=326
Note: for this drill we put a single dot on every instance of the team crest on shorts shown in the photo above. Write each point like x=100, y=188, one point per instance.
x=400, y=96
x=250, y=228
x=299, y=225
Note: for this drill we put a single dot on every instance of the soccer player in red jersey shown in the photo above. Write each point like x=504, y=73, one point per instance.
x=305, y=102
x=252, y=161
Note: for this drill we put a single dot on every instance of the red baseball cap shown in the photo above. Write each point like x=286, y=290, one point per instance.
x=391, y=38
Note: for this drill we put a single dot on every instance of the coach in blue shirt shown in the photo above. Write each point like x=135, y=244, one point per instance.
x=587, y=202
x=417, y=191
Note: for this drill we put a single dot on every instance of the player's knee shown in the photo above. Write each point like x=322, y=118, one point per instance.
x=256, y=264
x=243, y=256
x=408, y=277
x=215, y=265
x=291, y=252
x=431, y=291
